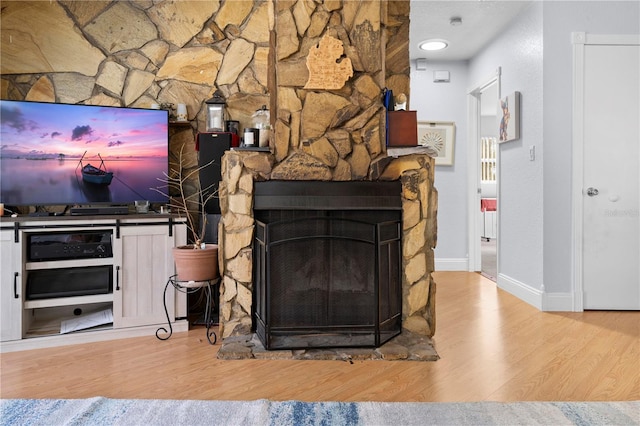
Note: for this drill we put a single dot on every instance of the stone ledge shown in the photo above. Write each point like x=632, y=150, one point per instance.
x=406, y=347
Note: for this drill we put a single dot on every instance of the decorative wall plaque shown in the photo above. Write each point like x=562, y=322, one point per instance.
x=327, y=69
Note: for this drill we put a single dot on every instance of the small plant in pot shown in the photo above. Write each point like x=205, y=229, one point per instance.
x=197, y=261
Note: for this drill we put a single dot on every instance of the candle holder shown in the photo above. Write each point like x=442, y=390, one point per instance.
x=215, y=112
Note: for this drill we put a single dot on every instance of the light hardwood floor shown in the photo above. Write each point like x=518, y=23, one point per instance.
x=493, y=347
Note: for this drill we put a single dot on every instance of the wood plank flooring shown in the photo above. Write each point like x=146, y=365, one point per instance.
x=493, y=347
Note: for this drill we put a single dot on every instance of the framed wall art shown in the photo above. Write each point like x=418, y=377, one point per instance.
x=509, y=118
x=439, y=136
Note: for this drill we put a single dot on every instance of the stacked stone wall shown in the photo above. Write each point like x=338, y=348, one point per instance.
x=133, y=53
x=336, y=134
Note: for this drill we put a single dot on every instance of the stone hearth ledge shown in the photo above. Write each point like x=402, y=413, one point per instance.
x=407, y=346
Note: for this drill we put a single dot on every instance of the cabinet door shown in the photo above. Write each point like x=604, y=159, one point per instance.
x=11, y=290
x=144, y=263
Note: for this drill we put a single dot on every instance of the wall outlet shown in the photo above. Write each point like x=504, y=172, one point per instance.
x=532, y=153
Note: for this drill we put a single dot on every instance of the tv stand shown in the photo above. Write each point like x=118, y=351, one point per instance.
x=40, y=214
x=98, y=210
x=137, y=266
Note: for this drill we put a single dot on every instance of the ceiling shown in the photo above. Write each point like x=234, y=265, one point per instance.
x=482, y=20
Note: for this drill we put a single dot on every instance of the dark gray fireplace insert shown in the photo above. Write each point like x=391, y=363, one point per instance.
x=327, y=263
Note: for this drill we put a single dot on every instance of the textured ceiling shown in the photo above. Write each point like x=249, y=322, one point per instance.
x=481, y=22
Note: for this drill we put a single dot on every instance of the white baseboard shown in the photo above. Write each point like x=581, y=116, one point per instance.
x=521, y=291
x=453, y=264
x=558, y=302
x=548, y=302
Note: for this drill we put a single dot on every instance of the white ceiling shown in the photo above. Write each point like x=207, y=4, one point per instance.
x=482, y=20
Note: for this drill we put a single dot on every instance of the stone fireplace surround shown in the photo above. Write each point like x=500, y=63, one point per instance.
x=236, y=231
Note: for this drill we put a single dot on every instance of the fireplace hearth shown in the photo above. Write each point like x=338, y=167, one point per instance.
x=327, y=263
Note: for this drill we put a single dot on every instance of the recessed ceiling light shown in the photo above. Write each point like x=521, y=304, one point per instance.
x=432, y=45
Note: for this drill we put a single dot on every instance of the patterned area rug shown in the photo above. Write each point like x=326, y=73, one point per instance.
x=104, y=411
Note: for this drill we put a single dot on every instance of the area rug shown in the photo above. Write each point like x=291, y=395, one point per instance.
x=105, y=411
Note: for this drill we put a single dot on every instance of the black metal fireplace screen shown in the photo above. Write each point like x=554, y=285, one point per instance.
x=327, y=269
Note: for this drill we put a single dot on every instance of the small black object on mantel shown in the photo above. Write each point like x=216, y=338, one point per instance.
x=251, y=148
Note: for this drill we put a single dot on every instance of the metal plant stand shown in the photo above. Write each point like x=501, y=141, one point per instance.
x=189, y=287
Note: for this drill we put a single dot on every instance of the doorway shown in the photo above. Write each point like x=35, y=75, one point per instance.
x=484, y=177
x=489, y=181
x=606, y=172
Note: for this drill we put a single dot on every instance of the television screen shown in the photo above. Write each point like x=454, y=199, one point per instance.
x=62, y=154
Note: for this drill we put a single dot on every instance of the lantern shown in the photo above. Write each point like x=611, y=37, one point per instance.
x=215, y=112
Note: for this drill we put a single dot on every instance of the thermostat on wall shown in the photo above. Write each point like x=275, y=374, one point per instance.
x=441, y=76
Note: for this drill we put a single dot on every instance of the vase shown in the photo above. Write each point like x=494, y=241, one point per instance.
x=196, y=264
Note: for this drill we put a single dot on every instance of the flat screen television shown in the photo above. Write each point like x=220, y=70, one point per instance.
x=78, y=155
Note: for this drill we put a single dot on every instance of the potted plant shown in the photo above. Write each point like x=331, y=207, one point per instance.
x=197, y=261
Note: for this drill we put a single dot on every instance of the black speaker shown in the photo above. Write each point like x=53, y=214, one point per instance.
x=66, y=282
x=211, y=148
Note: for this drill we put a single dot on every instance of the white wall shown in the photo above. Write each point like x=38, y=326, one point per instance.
x=561, y=18
x=489, y=126
x=518, y=52
x=447, y=102
x=535, y=196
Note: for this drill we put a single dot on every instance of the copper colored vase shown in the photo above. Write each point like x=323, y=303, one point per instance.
x=196, y=264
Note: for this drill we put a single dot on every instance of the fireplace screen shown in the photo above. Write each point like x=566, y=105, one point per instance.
x=327, y=264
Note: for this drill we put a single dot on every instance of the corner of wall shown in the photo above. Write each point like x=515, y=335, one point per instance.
x=521, y=290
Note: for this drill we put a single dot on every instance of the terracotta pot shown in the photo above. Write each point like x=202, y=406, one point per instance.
x=196, y=264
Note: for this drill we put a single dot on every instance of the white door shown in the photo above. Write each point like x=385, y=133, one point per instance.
x=611, y=177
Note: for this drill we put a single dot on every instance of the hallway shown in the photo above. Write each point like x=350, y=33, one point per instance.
x=489, y=259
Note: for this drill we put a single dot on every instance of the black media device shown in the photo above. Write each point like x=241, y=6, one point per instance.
x=75, y=281
x=98, y=210
x=211, y=147
x=49, y=246
x=67, y=282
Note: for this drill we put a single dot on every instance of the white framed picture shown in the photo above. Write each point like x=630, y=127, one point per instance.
x=509, y=118
x=439, y=136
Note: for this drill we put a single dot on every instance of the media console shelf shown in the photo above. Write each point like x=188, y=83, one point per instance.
x=62, y=268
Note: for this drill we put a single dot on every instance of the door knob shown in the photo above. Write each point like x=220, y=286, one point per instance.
x=592, y=192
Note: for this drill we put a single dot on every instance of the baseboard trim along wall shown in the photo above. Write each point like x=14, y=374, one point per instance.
x=549, y=302
x=521, y=290
x=453, y=264
x=558, y=302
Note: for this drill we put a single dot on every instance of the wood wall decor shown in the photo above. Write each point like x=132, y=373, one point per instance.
x=328, y=70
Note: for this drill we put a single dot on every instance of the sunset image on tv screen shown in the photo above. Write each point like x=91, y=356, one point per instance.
x=74, y=154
